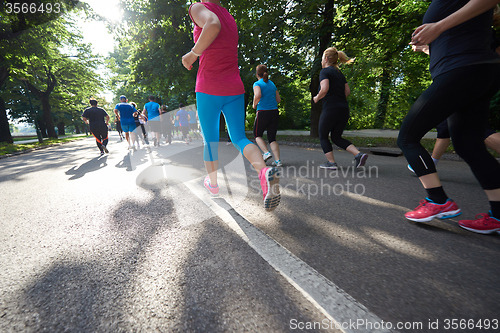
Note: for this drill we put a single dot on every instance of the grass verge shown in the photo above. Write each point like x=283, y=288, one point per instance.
x=368, y=142
x=9, y=148
x=360, y=141
x=24, y=138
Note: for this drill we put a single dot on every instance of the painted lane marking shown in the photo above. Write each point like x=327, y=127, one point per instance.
x=335, y=304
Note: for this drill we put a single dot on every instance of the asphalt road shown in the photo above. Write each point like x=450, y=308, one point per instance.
x=131, y=242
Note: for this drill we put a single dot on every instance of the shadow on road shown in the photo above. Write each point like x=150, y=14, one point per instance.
x=58, y=157
x=231, y=289
x=93, y=165
x=94, y=295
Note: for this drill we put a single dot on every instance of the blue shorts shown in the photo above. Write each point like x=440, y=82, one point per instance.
x=128, y=127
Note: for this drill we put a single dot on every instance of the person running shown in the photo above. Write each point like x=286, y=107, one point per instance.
x=219, y=87
x=140, y=123
x=466, y=75
x=152, y=112
x=183, y=117
x=98, y=121
x=176, y=127
x=335, y=115
x=265, y=100
x=125, y=114
x=118, y=125
x=491, y=138
x=193, y=123
x=166, y=124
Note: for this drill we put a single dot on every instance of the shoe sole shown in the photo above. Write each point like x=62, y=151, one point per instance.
x=409, y=168
x=268, y=158
x=329, y=168
x=441, y=216
x=105, y=150
x=362, y=161
x=273, y=196
x=484, y=232
x=213, y=195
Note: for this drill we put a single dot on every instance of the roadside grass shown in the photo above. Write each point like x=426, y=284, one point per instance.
x=360, y=141
x=9, y=148
x=24, y=138
x=369, y=142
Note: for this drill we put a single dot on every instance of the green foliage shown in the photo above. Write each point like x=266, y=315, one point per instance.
x=58, y=68
x=287, y=36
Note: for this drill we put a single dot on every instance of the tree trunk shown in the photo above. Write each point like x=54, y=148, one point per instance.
x=42, y=126
x=5, y=135
x=385, y=90
x=77, y=129
x=325, y=40
x=47, y=116
x=43, y=96
x=60, y=128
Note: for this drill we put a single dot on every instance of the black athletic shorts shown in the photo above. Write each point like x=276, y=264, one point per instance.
x=266, y=120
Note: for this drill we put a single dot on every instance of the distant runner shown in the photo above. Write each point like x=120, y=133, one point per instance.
x=98, y=121
x=125, y=113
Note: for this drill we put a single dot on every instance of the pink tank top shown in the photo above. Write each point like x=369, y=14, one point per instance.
x=218, y=73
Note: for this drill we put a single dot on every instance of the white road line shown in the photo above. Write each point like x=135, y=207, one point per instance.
x=337, y=306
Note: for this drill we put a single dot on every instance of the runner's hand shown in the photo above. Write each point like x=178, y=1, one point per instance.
x=421, y=48
x=188, y=60
x=425, y=34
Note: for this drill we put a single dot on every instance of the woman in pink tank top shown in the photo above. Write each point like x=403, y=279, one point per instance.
x=219, y=88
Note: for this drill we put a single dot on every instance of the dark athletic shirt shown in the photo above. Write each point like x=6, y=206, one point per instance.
x=466, y=44
x=96, y=116
x=335, y=97
x=495, y=41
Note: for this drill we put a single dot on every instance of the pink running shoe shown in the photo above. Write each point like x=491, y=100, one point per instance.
x=483, y=224
x=427, y=210
x=269, y=181
x=214, y=191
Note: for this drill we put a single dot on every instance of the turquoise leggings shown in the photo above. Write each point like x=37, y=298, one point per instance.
x=209, y=109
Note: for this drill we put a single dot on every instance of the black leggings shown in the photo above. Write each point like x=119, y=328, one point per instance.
x=266, y=119
x=100, y=134
x=333, y=122
x=463, y=96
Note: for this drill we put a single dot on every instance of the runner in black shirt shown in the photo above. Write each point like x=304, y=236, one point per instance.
x=335, y=115
x=466, y=75
x=98, y=121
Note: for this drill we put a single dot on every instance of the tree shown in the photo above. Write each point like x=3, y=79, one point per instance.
x=378, y=33
x=42, y=65
x=12, y=26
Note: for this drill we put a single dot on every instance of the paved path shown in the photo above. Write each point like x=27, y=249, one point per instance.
x=131, y=242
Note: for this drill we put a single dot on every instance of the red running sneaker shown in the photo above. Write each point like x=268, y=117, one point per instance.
x=427, y=210
x=269, y=181
x=483, y=224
